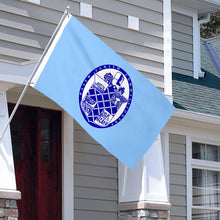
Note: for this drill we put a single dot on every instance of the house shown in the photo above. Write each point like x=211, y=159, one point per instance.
x=58, y=170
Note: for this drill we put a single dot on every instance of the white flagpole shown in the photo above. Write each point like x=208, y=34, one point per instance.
x=66, y=13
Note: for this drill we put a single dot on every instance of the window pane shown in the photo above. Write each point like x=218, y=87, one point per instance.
x=198, y=151
x=206, y=152
x=198, y=177
x=17, y=149
x=45, y=128
x=206, y=188
x=46, y=151
x=16, y=127
x=199, y=214
x=213, y=152
x=16, y=138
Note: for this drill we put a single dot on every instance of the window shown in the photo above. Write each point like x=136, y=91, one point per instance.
x=46, y=140
x=205, y=181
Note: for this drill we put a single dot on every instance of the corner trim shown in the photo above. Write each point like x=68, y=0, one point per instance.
x=167, y=24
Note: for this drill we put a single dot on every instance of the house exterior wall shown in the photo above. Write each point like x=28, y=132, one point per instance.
x=177, y=156
x=182, y=33
x=27, y=28
x=95, y=175
x=25, y=31
x=182, y=129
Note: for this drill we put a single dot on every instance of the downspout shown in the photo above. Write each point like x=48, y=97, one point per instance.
x=213, y=56
x=205, y=20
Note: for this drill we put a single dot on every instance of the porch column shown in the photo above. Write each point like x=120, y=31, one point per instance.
x=8, y=192
x=143, y=191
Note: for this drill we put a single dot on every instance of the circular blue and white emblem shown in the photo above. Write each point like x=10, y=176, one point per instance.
x=105, y=96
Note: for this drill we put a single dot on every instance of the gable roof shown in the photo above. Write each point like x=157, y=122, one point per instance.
x=200, y=95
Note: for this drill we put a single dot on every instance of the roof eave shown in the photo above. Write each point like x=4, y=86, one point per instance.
x=196, y=116
x=202, y=6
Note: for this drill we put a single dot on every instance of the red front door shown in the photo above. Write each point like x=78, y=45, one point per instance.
x=36, y=142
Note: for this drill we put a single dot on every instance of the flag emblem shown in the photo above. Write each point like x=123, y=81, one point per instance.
x=105, y=96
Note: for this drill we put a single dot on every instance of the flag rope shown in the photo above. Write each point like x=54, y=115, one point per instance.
x=66, y=13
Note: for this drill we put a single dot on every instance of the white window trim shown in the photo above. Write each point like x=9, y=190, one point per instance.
x=189, y=176
x=201, y=164
x=196, y=36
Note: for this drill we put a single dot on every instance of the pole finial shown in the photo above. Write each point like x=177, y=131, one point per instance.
x=68, y=9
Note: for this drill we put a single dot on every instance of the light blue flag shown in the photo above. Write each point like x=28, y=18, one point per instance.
x=110, y=99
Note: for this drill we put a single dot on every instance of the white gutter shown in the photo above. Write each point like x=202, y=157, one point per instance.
x=195, y=116
x=205, y=20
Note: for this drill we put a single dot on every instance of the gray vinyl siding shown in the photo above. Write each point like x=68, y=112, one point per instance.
x=182, y=33
x=95, y=179
x=177, y=157
x=26, y=29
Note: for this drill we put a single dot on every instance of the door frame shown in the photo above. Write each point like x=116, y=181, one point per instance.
x=67, y=166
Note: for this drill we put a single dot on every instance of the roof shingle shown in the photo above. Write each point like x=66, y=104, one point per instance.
x=199, y=95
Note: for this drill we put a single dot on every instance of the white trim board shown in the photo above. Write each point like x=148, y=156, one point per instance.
x=189, y=176
x=167, y=24
x=67, y=167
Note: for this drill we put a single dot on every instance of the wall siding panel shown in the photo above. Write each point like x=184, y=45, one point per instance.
x=32, y=25
x=82, y=214
x=177, y=155
x=95, y=174
x=182, y=32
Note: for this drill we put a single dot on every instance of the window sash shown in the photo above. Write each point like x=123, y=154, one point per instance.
x=205, y=163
